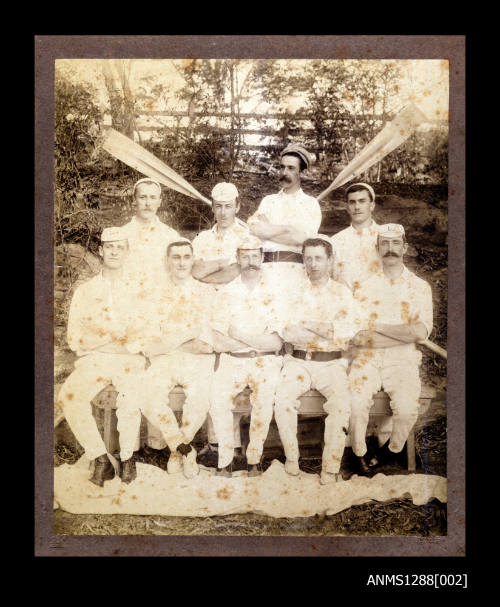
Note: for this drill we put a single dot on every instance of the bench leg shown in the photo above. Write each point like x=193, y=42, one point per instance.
x=410, y=452
x=237, y=430
x=107, y=430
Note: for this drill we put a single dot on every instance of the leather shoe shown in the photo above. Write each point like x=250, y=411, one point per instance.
x=184, y=449
x=227, y=471
x=129, y=471
x=103, y=471
x=382, y=456
x=254, y=469
x=362, y=468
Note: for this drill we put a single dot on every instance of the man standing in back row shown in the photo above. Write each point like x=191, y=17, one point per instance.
x=284, y=220
x=148, y=237
x=215, y=249
x=355, y=248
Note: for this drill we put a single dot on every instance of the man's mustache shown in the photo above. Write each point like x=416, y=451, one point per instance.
x=284, y=178
x=391, y=254
x=252, y=267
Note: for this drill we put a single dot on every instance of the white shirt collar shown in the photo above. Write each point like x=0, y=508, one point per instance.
x=371, y=229
x=232, y=228
x=405, y=274
x=295, y=194
x=143, y=226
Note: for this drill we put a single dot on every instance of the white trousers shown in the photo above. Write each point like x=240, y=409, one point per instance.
x=401, y=381
x=329, y=378
x=92, y=373
x=262, y=375
x=151, y=397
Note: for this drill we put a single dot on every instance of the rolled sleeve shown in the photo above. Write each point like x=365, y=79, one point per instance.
x=424, y=307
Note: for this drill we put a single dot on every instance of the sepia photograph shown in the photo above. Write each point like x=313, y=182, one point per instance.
x=250, y=297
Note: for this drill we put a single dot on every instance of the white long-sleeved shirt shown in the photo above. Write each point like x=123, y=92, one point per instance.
x=210, y=245
x=331, y=303
x=147, y=249
x=355, y=255
x=259, y=310
x=298, y=210
x=405, y=300
x=102, y=313
x=173, y=308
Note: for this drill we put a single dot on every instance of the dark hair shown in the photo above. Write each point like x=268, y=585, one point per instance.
x=179, y=243
x=302, y=165
x=318, y=242
x=358, y=188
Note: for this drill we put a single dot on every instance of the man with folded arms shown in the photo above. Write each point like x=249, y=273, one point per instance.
x=246, y=326
x=319, y=325
x=398, y=305
x=284, y=220
x=101, y=329
x=178, y=345
x=215, y=249
x=355, y=256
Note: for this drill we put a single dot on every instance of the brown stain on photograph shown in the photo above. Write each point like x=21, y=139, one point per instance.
x=225, y=494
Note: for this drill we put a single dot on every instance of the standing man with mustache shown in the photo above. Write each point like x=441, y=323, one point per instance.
x=148, y=237
x=399, y=307
x=247, y=317
x=284, y=220
x=355, y=248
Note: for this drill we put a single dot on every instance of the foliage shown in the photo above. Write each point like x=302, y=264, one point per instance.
x=76, y=129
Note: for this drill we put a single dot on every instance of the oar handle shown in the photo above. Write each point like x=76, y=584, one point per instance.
x=435, y=348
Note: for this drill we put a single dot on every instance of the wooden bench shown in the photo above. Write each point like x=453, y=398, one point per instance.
x=104, y=405
x=311, y=405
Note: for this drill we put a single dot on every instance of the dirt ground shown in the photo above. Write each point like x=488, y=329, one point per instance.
x=423, y=212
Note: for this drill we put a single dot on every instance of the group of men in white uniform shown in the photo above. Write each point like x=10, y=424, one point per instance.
x=272, y=305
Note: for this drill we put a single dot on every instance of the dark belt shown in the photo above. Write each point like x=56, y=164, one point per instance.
x=317, y=356
x=282, y=256
x=251, y=354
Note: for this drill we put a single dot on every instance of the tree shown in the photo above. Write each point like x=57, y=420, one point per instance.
x=122, y=101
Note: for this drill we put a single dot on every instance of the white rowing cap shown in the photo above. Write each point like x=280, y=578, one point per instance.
x=391, y=230
x=112, y=234
x=250, y=242
x=224, y=192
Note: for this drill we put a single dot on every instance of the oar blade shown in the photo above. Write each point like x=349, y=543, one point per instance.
x=388, y=139
x=135, y=156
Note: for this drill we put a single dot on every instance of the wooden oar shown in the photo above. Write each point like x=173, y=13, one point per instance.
x=435, y=348
x=390, y=137
x=135, y=156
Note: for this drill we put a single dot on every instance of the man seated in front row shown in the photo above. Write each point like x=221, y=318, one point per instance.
x=215, y=249
x=101, y=326
x=178, y=345
x=247, y=321
x=398, y=305
x=319, y=325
